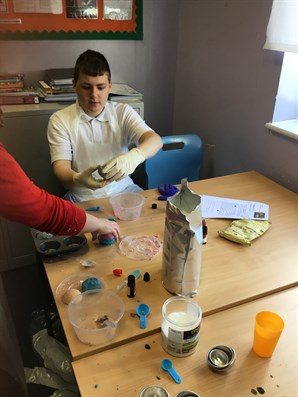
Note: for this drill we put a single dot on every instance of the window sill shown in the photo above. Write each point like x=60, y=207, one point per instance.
x=287, y=127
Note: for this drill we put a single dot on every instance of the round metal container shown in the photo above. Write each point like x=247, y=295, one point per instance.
x=221, y=358
x=154, y=391
x=187, y=393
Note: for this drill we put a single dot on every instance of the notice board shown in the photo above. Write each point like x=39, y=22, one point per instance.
x=71, y=19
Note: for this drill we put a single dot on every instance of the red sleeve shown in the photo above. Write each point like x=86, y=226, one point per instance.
x=22, y=201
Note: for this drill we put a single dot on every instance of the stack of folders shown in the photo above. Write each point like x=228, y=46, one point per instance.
x=14, y=92
x=57, y=86
x=122, y=91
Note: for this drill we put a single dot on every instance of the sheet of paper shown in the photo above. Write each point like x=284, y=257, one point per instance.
x=117, y=10
x=124, y=89
x=38, y=6
x=218, y=207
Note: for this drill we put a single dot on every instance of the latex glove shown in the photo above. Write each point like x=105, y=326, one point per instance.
x=167, y=191
x=86, y=179
x=121, y=166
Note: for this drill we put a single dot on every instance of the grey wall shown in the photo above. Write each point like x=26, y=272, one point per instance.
x=147, y=65
x=202, y=69
x=225, y=88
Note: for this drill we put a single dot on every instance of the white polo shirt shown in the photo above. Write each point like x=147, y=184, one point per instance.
x=89, y=141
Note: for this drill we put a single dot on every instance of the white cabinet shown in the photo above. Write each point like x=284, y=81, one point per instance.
x=25, y=136
x=134, y=103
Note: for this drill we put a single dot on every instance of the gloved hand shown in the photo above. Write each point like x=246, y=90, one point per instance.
x=167, y=191
x=86, y=179
x=121, y=166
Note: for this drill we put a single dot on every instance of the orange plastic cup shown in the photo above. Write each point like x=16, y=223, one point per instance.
x=268, y=328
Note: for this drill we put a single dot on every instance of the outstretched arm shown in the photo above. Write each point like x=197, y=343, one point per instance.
x=24, y=202
x=150, y=143
x=123, y=165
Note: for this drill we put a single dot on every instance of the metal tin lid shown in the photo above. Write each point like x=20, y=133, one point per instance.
x=187, y=393
x=154, y=391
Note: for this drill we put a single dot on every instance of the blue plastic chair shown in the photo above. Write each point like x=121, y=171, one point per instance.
x=180, y=157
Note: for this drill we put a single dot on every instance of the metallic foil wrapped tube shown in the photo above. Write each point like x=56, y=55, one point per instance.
x=182, y=246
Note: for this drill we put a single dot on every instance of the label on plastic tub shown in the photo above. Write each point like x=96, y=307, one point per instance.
x=181, y=343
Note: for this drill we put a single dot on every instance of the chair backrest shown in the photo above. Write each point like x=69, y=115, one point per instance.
x=180, y=157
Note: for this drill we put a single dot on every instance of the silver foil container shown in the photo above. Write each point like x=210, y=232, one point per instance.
x=182, y=245
x=187, y=393
x=154, y=391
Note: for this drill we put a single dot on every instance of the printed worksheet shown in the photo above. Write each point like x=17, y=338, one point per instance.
x=218, y=207
x=38, y=6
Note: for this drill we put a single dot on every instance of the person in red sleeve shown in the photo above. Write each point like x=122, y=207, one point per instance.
x=24, y=202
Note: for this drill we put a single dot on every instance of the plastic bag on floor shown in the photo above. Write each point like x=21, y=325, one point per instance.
x=39, y=322
x=44, y=376
x=55, y=355
x=64, y=393
x=57, y=371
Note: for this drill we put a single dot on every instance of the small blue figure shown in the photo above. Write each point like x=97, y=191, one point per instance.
x=167, y=191
x=91, y=283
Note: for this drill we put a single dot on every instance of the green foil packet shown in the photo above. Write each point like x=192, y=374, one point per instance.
x=244, y=231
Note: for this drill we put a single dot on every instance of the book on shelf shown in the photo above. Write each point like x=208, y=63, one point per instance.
x=61, y=97
x=122, y=90
x=10, y=88
x=60, y=76
x=49, y=89
x=18, y=99
x=62, y=87
x=25, y=92
x=14, y=92
x=11, y=82
x=26, y=95
x=11, y=78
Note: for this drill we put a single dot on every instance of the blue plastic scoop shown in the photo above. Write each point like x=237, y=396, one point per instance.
x=166, y=365
x=142, y=311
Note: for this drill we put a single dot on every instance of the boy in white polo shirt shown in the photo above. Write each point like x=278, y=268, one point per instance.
x=89, y=140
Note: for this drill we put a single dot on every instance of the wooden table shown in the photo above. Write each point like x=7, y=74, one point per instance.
x=231, y=274
x=126, y=370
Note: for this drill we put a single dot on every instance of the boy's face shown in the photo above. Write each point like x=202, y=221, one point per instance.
x=93, y=93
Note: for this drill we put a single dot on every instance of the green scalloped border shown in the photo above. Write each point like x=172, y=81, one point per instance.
x=86, y=35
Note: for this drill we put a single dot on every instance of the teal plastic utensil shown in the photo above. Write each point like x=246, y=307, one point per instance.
x=136, y=273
